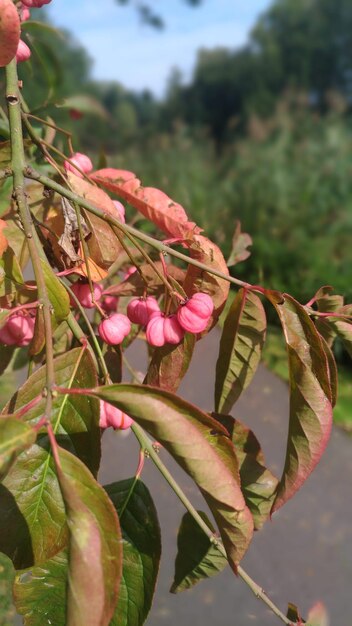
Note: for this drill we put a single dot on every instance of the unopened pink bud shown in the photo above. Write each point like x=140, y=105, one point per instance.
x=84, y=295
x=194, y=316
x=111, y=416
x=36, y=4
x=120, y=211
x=173, y=332
x=140, y=310
x=82, y=161
x=114, y=329
x=110, y=303
x=23, y=52
x=18, y=330
x=155, y=330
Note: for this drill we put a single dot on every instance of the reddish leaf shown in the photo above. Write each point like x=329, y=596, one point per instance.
x=240, y=243
x=104, y=247
x=154, y=204
x=134, y=285
x=241, y=346
x=201, y=447
x=310, y=397
x=9, y=31
x=170, y=363
x=95, y=554
x=205, y=251
x=258, y=483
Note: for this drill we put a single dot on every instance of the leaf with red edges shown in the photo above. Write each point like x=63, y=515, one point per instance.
x=310, y=397
x=201, y=446
x=205, y=251
x=170, y=363
x=154, y=204
x=9, y=31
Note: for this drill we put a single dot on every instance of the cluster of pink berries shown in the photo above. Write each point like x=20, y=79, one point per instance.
x=18, y=330
x=23, y=52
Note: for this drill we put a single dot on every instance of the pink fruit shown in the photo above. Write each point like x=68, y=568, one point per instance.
x=114, y=329
x=18, y=330
x=36, y=4
x=82, y=161
x=23, y=52
x=24, y=13
x=120, y=210
x=194, y=316
x=83, y=293
x=155, y=330
x=110, y=303
x=111, y=416
x=173, y=332
x=140, y=310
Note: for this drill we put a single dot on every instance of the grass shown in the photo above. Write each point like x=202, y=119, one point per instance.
x=275, y=358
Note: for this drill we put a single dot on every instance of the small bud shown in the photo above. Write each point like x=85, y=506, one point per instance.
x=83, y=293
x=120, y=211
x=140, y=310
x=114, y=329
x=194, y=316
x=82, y=161
x=131, y=270
x=155, y=330
x=173, y=332
x=111, y=416
x=23, y=52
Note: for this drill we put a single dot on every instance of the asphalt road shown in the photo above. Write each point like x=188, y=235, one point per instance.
x=303, y=555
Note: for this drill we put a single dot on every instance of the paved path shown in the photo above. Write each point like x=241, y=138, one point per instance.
x=303, y=555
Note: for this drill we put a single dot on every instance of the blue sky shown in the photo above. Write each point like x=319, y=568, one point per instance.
x=140, y=57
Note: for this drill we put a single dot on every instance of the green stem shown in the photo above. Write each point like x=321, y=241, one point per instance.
x=34, y=245
x=129, y=230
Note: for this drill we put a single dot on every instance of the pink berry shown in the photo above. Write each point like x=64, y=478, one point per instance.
x=120, y=211
x=155, y=330
x=25, y=13
x=84, y=295
x=111, y=416
x=140, y=310
x=114, y=329
x=173, y=332
x=36, y=4
x=18, y=330
x=82, y=161
x=110, y=303
x=194, y=316
x=23, y=52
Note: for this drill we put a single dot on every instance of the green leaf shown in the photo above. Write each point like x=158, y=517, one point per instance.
x=95, y=551
x=197, y=557
x=15, y=437
x=141, y=550
x=7, y=611
x=169, y=364
x=84, y=104
x=311, y=397
x=201, y=446
x=318, y=616
x=241, y=346
x=40, y=592
x=258, y=483
x=58, y=296
x=32, y=513
x=10, y=272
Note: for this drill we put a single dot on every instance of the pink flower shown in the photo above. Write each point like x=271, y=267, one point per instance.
x=161, y=330
x=140, y=310
x=18, y=330
x=114, y=329
x=111, y=416
x=23, y=52
x=83, y=293
x=82, y=161
x=35, y=4
x=194, y=316
x=120, y=210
